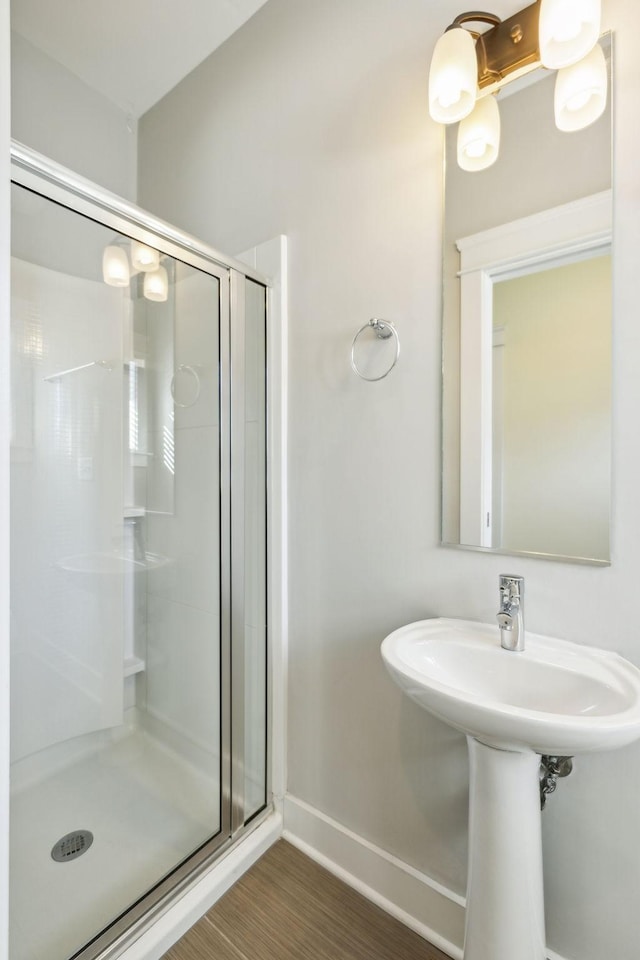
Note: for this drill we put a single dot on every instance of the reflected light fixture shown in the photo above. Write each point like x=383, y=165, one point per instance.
x=122, y=257
x=115, y=266
x=581, y=91
x=143, y=257
x=156, y=285
x=469, y=64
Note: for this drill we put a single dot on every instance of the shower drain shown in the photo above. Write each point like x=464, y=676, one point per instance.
x=72, y=845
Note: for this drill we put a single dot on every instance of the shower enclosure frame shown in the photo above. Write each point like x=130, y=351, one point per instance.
x=38, y=173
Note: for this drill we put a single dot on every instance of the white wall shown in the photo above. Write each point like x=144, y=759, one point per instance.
x=54, y=112
x=5, y=429
x=312, y=121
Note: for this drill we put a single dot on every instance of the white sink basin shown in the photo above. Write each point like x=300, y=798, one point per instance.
x=555, y=697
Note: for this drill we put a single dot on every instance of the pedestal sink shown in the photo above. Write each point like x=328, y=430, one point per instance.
x=553, y=698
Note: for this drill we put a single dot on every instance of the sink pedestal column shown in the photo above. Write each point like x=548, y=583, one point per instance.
x=505, y=906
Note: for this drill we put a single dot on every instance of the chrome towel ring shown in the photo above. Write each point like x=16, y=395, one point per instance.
x=185, y=368
x=383, y=330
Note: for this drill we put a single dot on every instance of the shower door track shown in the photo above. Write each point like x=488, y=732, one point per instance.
x=43, y=176
x=124, y=931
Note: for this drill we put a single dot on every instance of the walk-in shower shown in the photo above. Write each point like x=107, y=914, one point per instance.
x=138, y=547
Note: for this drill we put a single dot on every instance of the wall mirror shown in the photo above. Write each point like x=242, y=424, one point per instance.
x=527, y=326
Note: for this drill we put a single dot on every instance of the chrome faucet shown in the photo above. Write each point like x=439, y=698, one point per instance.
x=511, y=613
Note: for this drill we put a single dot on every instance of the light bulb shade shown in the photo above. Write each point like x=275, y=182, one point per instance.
x=453, y=77
x=479, y=136
x=156, y=285
x=143, y=257
x=581, y=92
x=568, y=30
x=115, y=267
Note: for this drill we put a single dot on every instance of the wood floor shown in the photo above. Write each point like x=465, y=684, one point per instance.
x=289, y=908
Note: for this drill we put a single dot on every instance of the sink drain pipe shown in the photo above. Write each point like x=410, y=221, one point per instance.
x=551, y=768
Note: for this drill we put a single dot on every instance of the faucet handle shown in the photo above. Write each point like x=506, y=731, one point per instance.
x=511, y=587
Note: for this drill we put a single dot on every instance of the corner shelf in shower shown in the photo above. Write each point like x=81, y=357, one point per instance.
x=139, y=458
x=133, y=665
x=131, y=513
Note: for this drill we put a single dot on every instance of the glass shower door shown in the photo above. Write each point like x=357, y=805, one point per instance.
x=120, y=557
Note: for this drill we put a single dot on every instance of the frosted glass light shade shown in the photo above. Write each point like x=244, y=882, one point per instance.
x=453, y=77
x=156, y=285
x=568, y=30
x=115, y=267
x=581, y=92
x=144, y=257
x=479, y=136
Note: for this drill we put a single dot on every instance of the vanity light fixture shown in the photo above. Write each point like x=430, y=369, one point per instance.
x=479, y=136
x=470, y=65
x=144, y=258
x=115, y=266
x=567, y=31
x=117, y=270
x=453, y=76
x=156, y=285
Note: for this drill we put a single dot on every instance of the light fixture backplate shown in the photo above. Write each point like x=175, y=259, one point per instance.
x=508, y=49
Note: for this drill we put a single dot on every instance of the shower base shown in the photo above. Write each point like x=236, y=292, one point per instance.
x=147, y=809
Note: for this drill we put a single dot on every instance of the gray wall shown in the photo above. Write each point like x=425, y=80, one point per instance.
x=54, y=112
x=312, y=121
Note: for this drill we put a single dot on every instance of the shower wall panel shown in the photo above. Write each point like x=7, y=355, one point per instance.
x=66, y=462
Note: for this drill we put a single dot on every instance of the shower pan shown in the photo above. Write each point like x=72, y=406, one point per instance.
x=138, y=548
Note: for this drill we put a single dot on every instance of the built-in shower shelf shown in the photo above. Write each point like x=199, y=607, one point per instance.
x=131, y=513
x=141, y=457
x=133, y=665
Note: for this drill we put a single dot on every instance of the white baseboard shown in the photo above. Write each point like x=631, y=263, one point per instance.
x=186, y=911
x=422, y=904
x=425, y=906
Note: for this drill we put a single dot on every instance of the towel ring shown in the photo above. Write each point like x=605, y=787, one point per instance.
x=185, y=368
x=383, y=330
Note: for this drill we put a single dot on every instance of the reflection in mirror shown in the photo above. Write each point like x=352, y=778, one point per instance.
x=551, y=410
x=527, y=336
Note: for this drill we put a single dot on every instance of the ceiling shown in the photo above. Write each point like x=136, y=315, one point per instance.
x=131, y=51
x=135, y=51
